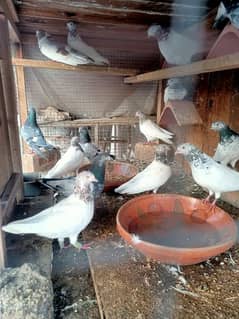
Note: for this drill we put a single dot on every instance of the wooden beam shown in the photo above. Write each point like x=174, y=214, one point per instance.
x=227, y=62
x=82, y=68
x=10, y=13
x=160, y=102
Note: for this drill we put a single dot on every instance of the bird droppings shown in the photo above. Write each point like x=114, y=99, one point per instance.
x=127, y=285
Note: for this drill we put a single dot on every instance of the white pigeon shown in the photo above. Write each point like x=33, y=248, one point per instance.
x=75, y=42
x=73, y=159
x=152, y=131
x=174, y=90
x=175, y=47
x=227, y=151
x=209, y=174
x=58, y=51
x=152, y=177
x=66, y=219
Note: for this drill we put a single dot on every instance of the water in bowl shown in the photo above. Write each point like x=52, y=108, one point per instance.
x=174, y=230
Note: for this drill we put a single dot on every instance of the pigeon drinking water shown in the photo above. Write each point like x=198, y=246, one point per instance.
x=32, y=135
x=73, y=159
x=209, y=174
x=227, y=151
x=152, y=131
x=75, y=42
x=66, y=219
x=152, y=177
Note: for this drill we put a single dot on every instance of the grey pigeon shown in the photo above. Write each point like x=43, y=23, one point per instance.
x=152, y=177
x=72, y=160
x=58, y=51
x=75, y=42
x=175, y=47
x=90, y=149
x=227, y=11
x=66, y=219
x=227, y=151
x=174, y=90
x=209, y=174
x=32, y=135
x=152, y=131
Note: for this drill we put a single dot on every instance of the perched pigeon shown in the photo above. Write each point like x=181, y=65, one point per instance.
x=64, y=220
x=175, y=90
x=175, y=47
x=152, y=131
x=73, y=159
x=58, y=51
x=90, y=149
x=98, y=169
x=75, y=42
x=227, y=11
x=152, y=177
x=227, y=151
x=32, y=135
x=209, y=174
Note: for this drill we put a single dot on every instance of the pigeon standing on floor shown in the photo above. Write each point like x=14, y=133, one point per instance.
x=174, y=90
x=66, y=219
x=227, y=151
x=90, y=149
x=152, y=177
x=209, y=174
x=152, y=131
x=32, y=135
x=227, y=11
x=58, y=51
x=175, y=47
x=75, y=42
x=72, y=160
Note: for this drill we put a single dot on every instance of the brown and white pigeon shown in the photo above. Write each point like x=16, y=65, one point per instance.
x=66, y=219
x=73, y=159
x=152, y=131
x=58, y=51
x=75, y=42
x=152, y=177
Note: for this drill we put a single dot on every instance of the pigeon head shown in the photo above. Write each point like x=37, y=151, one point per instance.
x=71, y=26
x=161, y=152
x=174, y=82
x=140, y=114
x=218, y=126
x=75, y=142
x=32, y=116
x=157, y=32
x=186, y=149
x=84, y=185
x=84, y=135
x=41, y=34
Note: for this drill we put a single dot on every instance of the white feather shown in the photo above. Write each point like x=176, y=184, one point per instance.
x=153, y=131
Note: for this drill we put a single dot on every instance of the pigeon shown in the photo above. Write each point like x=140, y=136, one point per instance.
x=66, y=219
x=75, y=42
x=227, y=11
x=58, y=51
x=152, y=177
x=175, y=47
x=90, y=149
x=227, y=151
x=32, y=135
x=174, y=90
x=152, y=131
x=73, y=159
x=209, y=174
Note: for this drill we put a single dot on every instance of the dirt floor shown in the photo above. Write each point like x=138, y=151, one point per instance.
x=121, y=283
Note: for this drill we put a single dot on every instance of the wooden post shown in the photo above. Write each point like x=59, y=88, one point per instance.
x=3, y=259
x=160, y=102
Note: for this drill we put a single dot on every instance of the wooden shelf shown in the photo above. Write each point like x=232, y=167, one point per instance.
x=92, y=122
x=226, y=62
x=81, y=68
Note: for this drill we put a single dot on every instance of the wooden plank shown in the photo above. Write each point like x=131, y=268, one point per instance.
x=10, y=13
x=21, y=94
x=98, y=121
x=82, y=68
x=3, y=257
x=227, y=62
x=160, y=102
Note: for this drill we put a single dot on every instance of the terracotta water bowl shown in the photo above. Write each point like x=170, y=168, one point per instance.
x=175, y=229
